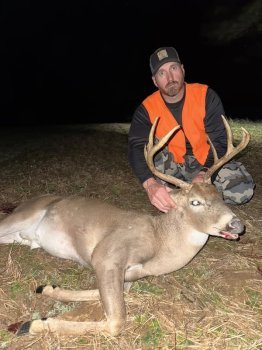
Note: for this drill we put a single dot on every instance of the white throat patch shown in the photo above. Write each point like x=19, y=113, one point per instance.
x=197, y=238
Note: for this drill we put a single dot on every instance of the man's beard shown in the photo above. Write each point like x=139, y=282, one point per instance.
x=172, y=88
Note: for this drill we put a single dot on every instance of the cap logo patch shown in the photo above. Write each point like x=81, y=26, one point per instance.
x=162, y=54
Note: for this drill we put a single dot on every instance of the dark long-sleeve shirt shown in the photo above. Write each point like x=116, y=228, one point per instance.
x=141, y=125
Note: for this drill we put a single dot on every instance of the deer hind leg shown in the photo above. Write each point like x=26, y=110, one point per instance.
x=22, y=223
x=20, y=227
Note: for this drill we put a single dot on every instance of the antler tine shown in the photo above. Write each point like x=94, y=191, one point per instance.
x=213, y=150
x=231, y=150
x=150, y=150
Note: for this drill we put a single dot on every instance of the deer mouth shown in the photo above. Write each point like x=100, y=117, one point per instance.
x=228, y=235
x=234, y=229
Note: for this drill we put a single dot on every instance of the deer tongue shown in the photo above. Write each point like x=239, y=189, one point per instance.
x=228, y=235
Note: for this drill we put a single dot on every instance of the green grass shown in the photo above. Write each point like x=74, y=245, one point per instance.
x=15, y=288
x=145, y=287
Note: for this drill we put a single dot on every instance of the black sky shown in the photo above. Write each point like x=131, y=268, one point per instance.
x=77, y=61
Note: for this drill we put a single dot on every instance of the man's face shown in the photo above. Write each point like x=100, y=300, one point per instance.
x=169, y=79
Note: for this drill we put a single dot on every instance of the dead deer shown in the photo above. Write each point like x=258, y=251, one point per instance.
x=121, y=246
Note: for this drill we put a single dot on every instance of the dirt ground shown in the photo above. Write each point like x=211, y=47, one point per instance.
x=213, y=303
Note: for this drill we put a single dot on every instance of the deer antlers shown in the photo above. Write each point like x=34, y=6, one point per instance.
x=231, y=150
x=150, y=150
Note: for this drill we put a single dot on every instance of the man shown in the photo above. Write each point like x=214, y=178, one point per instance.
x=197, y=109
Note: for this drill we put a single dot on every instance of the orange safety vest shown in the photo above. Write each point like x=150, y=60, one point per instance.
x=193, y=114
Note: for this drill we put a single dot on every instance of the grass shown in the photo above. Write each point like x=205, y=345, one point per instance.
x=145, y=287
x=214, y=303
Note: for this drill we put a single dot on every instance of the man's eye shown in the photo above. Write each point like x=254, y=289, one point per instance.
x=195, y=202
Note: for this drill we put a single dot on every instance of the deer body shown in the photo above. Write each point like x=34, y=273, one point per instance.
x=121, y=246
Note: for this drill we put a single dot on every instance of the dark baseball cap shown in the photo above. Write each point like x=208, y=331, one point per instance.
x=162, y=56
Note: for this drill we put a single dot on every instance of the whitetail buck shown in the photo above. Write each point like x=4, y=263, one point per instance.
x=121, y=246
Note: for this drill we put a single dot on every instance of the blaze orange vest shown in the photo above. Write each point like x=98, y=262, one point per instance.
x=193, y=114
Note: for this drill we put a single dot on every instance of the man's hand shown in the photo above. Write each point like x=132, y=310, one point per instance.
x=199, y=177
x=158, y=195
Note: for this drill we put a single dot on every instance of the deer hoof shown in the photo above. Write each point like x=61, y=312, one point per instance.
x=19, y=328
x=39, y=289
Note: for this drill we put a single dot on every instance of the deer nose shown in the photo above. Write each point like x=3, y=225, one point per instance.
x=236, y=226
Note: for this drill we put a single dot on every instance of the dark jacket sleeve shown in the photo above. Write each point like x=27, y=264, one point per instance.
x=137, y=138
x=214, y=125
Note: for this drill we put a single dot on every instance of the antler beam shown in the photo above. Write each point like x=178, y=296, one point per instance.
x=150, y=150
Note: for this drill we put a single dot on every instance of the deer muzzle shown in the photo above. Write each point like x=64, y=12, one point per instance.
x=234, y=229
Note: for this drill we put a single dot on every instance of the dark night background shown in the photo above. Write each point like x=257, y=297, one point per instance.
x=83, y=61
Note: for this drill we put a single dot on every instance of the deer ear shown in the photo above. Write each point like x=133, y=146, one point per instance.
x=175, y=193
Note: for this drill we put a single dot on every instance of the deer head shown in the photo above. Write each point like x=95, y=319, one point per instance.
x=205, y=192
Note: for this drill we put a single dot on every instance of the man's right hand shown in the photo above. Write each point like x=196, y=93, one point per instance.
x=158, y=195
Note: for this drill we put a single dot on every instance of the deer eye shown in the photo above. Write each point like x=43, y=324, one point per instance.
x=195, y=202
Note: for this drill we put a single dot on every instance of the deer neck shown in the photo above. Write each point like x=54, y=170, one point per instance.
x=176, y=226
x=178, y=240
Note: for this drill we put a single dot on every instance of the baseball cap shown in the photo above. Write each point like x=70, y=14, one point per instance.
x=162, y=56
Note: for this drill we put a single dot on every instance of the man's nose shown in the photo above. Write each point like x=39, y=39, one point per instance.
x=169, y=76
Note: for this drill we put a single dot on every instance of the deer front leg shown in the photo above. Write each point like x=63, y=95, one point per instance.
x=57, y=325
x=61, y=294
x=66, y=327
x=111, y=285
x=54, y=325
x=57, y=293
x=111, y=288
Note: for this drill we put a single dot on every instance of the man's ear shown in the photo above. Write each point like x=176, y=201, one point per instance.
x=154, y=81
x=183, y=69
